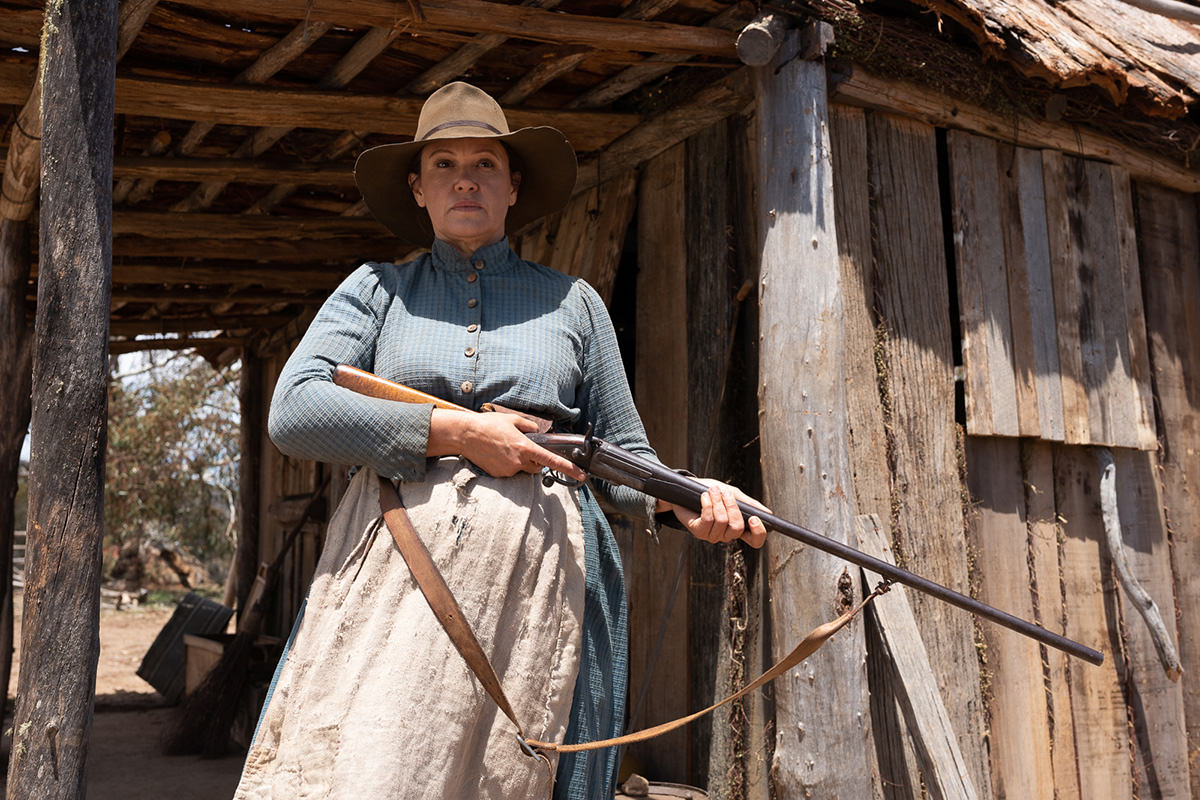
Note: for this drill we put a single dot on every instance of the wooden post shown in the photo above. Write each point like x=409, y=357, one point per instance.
x=822, y=715
x=250, y=399
x=60, y=634
x=16, y=353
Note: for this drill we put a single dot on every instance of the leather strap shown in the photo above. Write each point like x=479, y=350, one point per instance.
x=440, y=598
x=447, y=611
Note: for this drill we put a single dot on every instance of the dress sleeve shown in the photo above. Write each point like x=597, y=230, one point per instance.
x=607, y=403
x=312, y=418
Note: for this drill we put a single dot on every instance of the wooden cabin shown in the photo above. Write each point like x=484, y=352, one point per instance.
x=925, y=276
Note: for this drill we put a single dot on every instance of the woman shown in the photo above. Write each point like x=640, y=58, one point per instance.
x=370, y=700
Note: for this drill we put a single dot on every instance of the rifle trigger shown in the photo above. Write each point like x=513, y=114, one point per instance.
x=550, y=477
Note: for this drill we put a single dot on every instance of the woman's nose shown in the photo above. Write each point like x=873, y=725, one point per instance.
x=465, y=181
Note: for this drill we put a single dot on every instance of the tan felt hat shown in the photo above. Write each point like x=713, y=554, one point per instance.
x=456, y=111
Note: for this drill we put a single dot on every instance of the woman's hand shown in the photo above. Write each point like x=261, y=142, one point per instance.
x=495, y=442
x=720, y=519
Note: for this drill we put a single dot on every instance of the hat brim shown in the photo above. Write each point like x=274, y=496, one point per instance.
x=547, y=180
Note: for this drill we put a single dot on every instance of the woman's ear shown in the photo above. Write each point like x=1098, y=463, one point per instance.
x=516, y=183
x=414, y=185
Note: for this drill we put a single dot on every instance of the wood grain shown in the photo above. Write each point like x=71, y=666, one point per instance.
x=1020, y=745
x=863, y=89
x=661, y=392
x=868, y=438
x=1159, y=727
x=821, y=708
x=1097, y=700
x=1037, y=462
x=1169, y=244
x=928, y=526
x=475, y=16
x=988, y=353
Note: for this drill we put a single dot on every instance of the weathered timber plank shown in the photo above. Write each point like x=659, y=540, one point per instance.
x=916, y=361
x=364, y=51
x=1142, y=398
x=1037, y=464
x=1020, y=729
x=863, y=89
x=1024, y=355
x=153, y=224
x=475, y=16
x=661, y=389
x=233, y=169
x=1090, y=607
x=715, y=750
x=1064, y=271
x=262, y=106
x=120, y=347
x=232, y=273
x=136, y=327
x=60, y=641
x=591, y=232
x=1159, y=728
x=1115, y=390
x=982, y=286
x=23, y=160
x=1031, y=296
x=1169, y=250
x=864, y=414
x=1138, y=57
x=709, y=106
x=1085, y=200
x=821, y=708
x=943, y=766
x=352, y=251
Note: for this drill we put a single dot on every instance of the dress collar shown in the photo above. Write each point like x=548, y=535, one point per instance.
x=494, y=257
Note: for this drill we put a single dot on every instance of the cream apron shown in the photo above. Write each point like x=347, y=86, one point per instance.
x=374, y=702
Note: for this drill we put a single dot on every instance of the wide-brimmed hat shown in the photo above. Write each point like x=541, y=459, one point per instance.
x=458, y=111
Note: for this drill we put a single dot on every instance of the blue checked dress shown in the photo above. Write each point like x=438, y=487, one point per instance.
x=492, y=328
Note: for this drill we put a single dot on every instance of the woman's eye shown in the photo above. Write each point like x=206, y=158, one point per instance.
x=486, y=163
x=441, y=163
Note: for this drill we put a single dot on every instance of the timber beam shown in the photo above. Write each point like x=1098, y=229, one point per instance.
x=233, y=273
x=240, y=170
x=140, y=327
x=341, y=251
x=860, y=88
x=476, y=16
x=266, y=106
x=122, y=346
x=193, y=225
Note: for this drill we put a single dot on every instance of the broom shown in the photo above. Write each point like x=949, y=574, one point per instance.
x=205, y=718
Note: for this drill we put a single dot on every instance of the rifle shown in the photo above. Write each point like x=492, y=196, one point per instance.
x=608, y=462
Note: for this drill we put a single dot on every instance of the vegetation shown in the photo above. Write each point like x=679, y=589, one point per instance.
x=172, y=456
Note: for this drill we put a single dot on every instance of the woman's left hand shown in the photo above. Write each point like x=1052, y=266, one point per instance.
x=720, y=519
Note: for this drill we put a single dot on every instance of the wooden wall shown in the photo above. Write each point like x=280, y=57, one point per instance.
x=1066, y=299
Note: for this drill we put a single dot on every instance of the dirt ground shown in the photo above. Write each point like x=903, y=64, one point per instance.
x=124, y=762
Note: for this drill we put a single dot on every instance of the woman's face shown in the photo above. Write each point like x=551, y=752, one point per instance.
x=466, y=187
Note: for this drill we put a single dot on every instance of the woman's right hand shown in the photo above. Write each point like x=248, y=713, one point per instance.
x=495, y=442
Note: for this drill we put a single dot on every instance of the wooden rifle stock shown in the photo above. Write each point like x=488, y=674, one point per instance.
x=363, y=382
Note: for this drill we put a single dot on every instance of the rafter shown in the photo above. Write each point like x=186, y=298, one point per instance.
x=22, y=164
x=269, y=62
x=157, y=225
x=364, y=51
x=261, y=106
x=141, y=327
x=476, y=16
x=242, y=170
x=337, y=251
